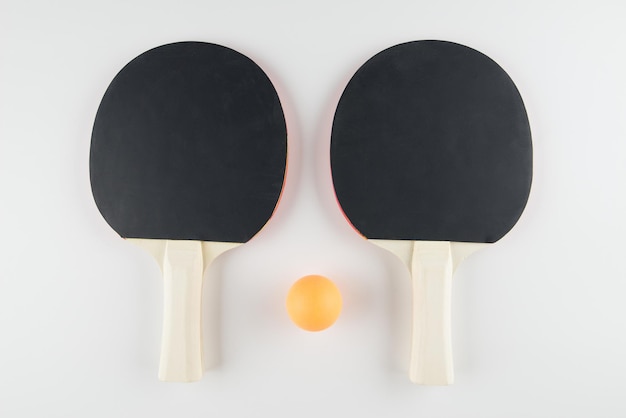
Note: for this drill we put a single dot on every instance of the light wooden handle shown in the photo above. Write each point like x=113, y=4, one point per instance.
x=431, y=351
x=183, y=264
x=181, y=343
x=432, y=265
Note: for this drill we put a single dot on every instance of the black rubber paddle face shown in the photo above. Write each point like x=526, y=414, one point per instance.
x=189, y=143
x=431, y=141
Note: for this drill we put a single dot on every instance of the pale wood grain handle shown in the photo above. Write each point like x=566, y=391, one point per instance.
x=431, y=351
x=183, y=264
x=432, y=265
x=181, y=343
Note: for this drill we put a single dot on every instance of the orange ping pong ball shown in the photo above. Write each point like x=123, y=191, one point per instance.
x=314, y=303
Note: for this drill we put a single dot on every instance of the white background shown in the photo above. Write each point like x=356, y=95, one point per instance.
x=539, y=318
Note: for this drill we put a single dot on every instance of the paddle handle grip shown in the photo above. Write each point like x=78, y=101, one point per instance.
x=431, y=351
x=181, y=344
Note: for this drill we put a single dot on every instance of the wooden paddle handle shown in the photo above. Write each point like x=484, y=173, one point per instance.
x=181, y=344
x=431, y=351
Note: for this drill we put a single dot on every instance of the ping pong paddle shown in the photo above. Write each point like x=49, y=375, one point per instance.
x=188, y=157
x=431, y=158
